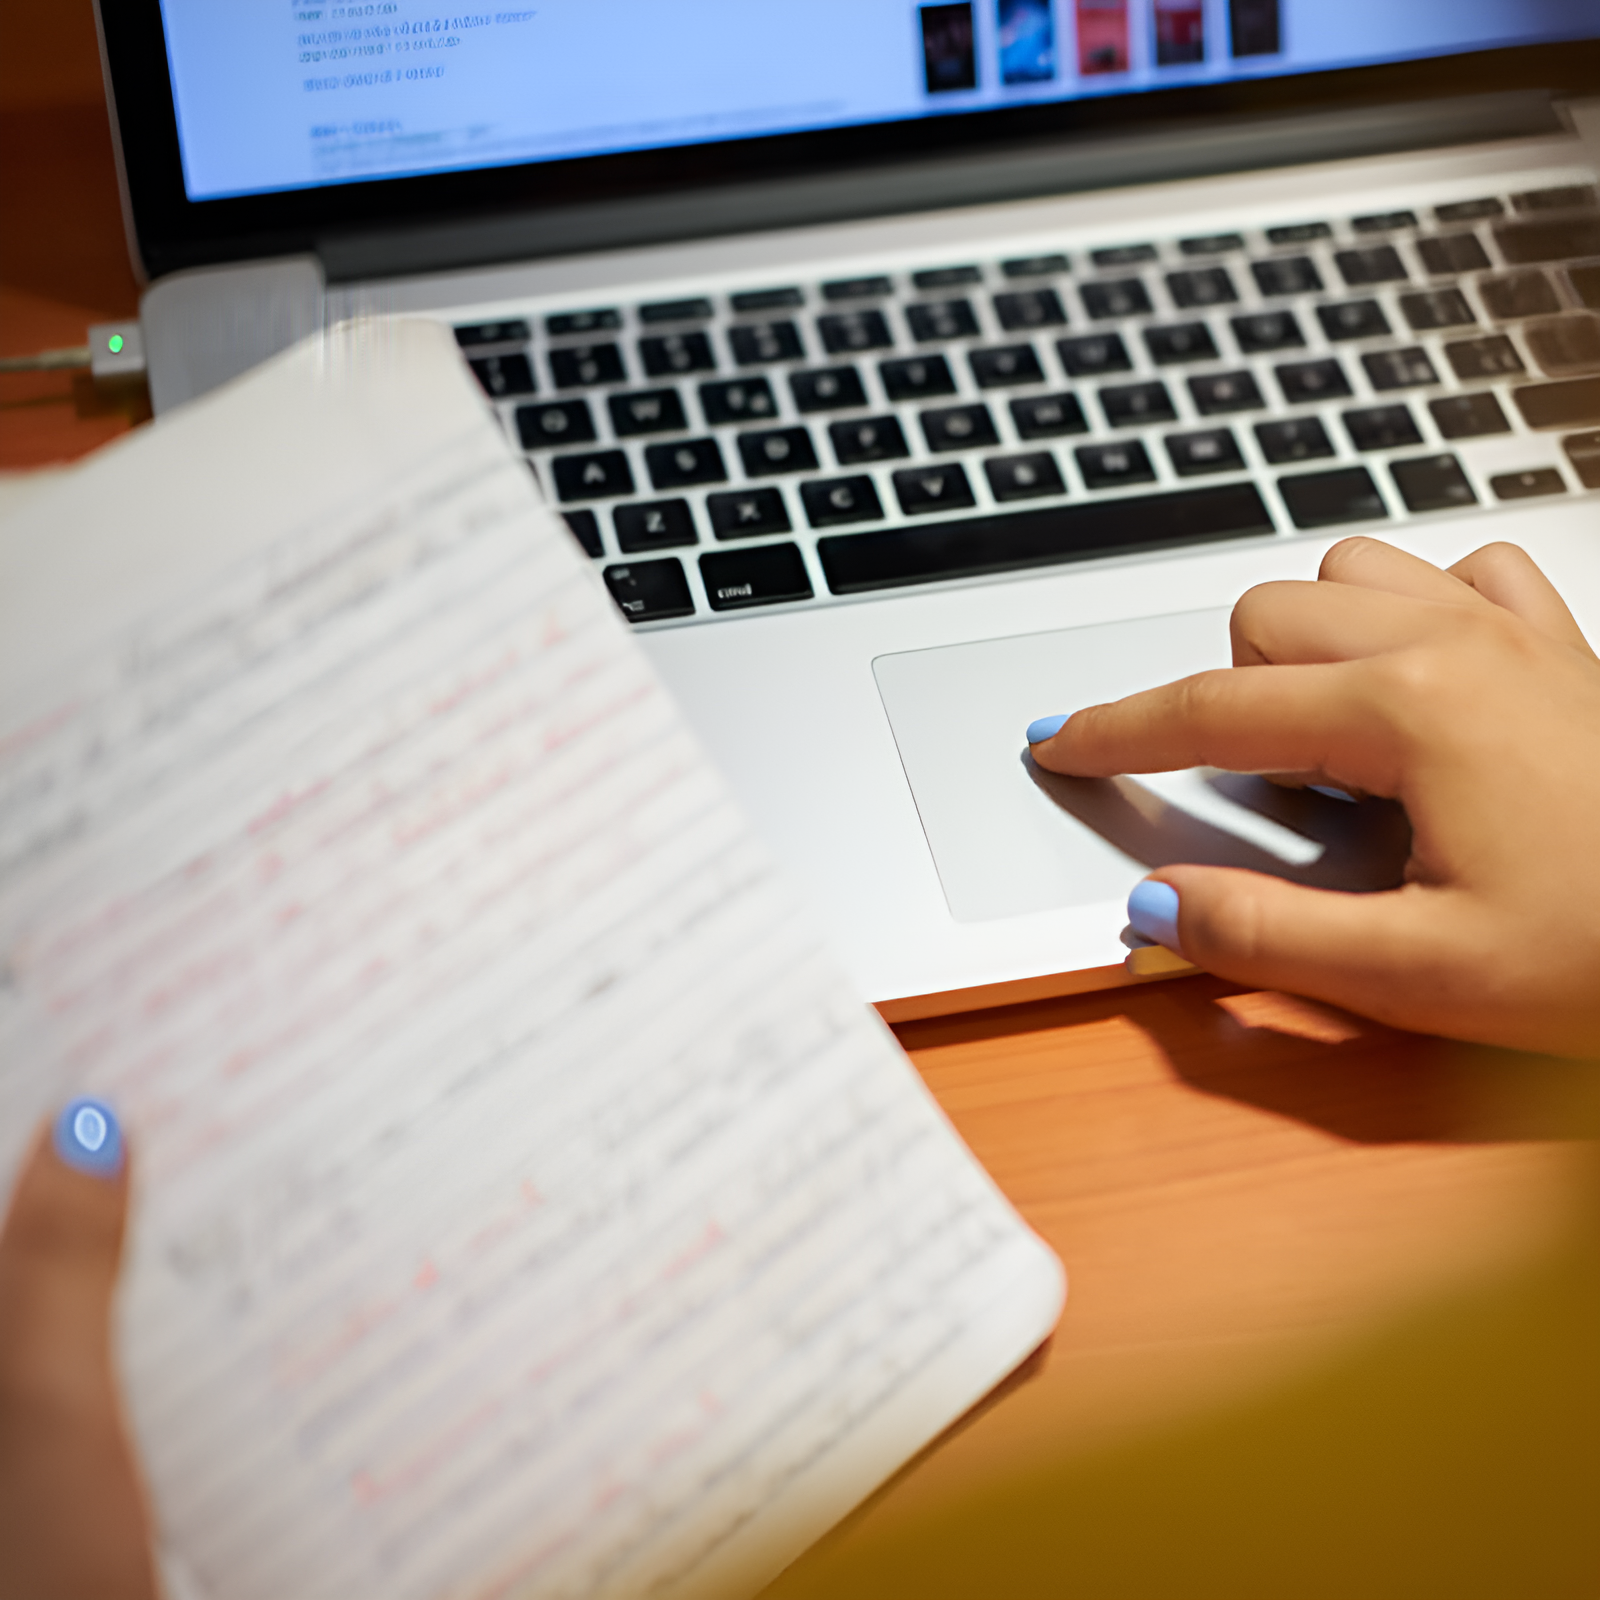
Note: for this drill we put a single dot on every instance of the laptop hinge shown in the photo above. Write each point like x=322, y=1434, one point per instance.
x=1173, y=151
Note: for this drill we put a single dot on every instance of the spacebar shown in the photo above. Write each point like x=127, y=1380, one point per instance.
x=1009, y=541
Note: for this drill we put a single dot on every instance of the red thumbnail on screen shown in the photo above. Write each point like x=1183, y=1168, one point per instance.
x=1180, y=31
x=1102, y=36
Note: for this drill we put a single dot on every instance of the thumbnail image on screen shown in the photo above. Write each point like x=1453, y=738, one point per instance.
x=1102, y=36
x=1027, y=41
x=950, y=59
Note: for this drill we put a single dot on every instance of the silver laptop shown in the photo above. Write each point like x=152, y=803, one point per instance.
x=910, y=371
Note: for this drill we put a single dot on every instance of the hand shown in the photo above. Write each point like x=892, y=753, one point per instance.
x=73, y=1523
x=1472, y=698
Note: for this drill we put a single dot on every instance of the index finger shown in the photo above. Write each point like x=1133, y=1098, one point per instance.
x=1270, y=719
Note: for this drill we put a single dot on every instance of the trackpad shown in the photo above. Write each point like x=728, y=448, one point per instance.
x=1009, y=839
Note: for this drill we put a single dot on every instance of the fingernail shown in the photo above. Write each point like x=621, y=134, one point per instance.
x=1153, y=913
x=87, y=1137
x=1044, y=728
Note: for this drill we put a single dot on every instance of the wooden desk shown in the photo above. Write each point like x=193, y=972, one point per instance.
x=1243, y=1186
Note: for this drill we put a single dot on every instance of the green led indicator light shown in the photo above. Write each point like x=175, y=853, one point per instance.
x=114, y=344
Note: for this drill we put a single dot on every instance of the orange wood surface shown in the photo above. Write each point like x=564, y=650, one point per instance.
x=1240, y=1184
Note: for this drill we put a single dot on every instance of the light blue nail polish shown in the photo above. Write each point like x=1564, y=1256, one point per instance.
x=1044, y=728
x=87, y=1137
x=1332, y=793
x=1153, y=912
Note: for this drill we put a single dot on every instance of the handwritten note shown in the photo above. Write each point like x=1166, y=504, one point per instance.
x=525, y=1205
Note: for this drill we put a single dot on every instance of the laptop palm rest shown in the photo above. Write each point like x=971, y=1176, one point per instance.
x=1009, y=839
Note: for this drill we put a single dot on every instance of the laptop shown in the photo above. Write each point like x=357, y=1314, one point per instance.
x=910, y=372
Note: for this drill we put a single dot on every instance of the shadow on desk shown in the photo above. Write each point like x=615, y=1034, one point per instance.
x=1455, y=1455
x=1454, y=1451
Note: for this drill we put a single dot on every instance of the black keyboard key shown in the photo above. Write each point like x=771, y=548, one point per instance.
x=846, y=331
x=757, y=344
x=567, y=324
x=1583, y=451
x=649, y=411
x=595, y=476
x=764, y=576
x=1468, y=416
x=1494, y=357
x=1518, y=295
x=958, y=428
x=650, y=591
x=1384, y=222
x=1436, y=308
x=1573, y=404
x=1267, y=330
x=1469, y=210
x=1299, y=233
x=1023, y=477
x=560, y=423
x=1353, y=319
x=1307, y=382
x=1212, y=244
x=1432, y=483
x=1013, y=541
x=940, y=320
x=923, y=489
x=1409, y=368
x=1379, y=263
x=997, y=369
x=1220, y=392
x=766, y=300
x=1132, y=405
x=1112, y=466
x=1205, y=286
x=1048, y=416
x=1287, y=275
x=1381, y=428
x=946, y=277
x=1211, y=450
x=1123, y=255
x=827, y=389
x=503, y=376
x=868, y=439
x=1528, y=485
x=682, y=465
x=777, y=450
x=917, y=378
x=1527, y=244
x=1585, y=283
x=831, y=501
x=582, y=366
x=1300, y=439
x=1454, y=252
x=747, y=513
x=738, y=400
x=1325, y=499
x=1034, y=266
x=873, y=288
x=1569, y=197
x=653, y=525
x=696, y=309
x=512, y=331
x=1124, y=297
x=665, y=355
x=585, y=528
x=1565, y=346
x=1183, y=341
x=1093, y=355
x=1029, y=308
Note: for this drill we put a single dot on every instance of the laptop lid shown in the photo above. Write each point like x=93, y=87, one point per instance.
x=270, y=127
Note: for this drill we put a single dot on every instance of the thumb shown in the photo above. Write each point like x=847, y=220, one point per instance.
x=72, y=1515
x=1394, y=956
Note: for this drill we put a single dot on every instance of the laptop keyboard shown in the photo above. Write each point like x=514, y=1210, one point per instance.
x=788, y=445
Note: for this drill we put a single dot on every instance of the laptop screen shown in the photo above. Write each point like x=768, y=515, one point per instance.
x=275, y=95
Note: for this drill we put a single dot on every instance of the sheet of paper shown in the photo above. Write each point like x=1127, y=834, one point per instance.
x=524, y=1203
